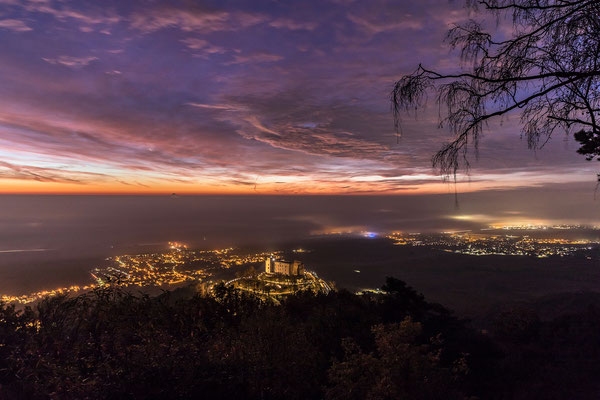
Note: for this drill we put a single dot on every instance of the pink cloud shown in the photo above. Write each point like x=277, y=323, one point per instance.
x=15, y=25
x=41, y=174
x=73, y=62
x=377, y=26
x=261, y=57
x=286, y=23
x=65, y=13
x=203, y=45
x=189, y=20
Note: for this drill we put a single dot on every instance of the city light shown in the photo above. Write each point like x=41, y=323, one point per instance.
x=485, y=244
x=163, y=269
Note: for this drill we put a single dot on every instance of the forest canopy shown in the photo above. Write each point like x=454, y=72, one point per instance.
x=112, y=344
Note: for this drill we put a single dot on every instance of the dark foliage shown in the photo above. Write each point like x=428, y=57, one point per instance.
x=549, y=70
x=113, y=345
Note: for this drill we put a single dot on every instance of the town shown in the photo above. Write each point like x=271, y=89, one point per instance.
x=488, y=243
x=179, y=266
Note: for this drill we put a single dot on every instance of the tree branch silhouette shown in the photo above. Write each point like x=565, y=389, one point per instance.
x=548, y=69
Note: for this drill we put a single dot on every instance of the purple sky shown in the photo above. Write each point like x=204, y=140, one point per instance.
x=237, y=97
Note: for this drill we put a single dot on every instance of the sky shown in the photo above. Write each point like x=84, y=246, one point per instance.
x=239, y=97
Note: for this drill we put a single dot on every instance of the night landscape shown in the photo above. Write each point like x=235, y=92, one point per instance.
x=335, y=199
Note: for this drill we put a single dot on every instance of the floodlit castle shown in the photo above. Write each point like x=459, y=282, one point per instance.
x=273, y=266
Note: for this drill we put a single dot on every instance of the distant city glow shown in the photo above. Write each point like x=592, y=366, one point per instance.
x=488, y=244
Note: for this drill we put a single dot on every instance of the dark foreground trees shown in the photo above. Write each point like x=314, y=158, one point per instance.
x=548, y=69
x=113, y=345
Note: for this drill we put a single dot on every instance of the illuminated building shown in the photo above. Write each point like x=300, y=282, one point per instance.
x=273, y=266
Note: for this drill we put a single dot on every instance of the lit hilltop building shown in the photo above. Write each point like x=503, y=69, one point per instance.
x=273, y=266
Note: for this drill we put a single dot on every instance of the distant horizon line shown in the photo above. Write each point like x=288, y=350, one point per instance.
x=226, y=194
x=450, y=192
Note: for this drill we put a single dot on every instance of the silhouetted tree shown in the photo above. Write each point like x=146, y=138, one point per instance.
x=249, y=272
x=549, y=69
x=400, y=368
x=112, y=344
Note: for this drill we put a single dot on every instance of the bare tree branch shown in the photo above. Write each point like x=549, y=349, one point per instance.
x=548, y=69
